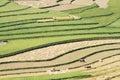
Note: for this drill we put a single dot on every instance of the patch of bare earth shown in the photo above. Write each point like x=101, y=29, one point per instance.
x=106, y=70
x=64, y=59
x=116, y=78
x=3, y=43
x=109, y=68
x=58, y=49
x=76, y=4
x=36, y=3
x=102, y=3
x=52, y=51
x=63, y=5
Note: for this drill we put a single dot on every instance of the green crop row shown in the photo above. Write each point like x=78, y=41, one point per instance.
x=23, y=14
x=94, y=16
x=4, y=3
x=47, y=28
x=9, y=11
x=24, y=11
x=51, y=28
x=12, y=7
x=46, y=34
x=70, y=75
x=23, y=17
x=16, y=24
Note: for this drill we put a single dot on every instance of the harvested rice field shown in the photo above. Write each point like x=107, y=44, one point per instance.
x=59, y=40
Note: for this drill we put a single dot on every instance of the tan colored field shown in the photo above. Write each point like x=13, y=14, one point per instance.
x=67, y=58
x=102, y=3
x=106, y=76
x=52, y=51
x=62, y=48
x=63, y=5
x=36, y=4
x=117, y=78
x=2, y=43
x=106, y=61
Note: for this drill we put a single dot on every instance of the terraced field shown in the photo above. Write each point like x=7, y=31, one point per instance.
x=30, y=49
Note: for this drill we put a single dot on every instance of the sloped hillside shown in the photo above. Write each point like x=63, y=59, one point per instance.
x=65, y=48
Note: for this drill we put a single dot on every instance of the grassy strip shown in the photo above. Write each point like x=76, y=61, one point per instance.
x=99, y=26
x=102, y=15
x=92, y=12
x=22, y=73
x=61, y=63
x=60, y=54
x=24, y=14
x=29, y=10
x=114, y=27
x=5, y=3
x=71, y=75
x=39, y=32
x=16, y=24
x=66, y=78
x=54, y=35
x=38, y=35
x=51, y=26
x=22, y=17
x=19, y=22
x=47, y=28
x=71, y=25
x=15, y=10
x=59, y=25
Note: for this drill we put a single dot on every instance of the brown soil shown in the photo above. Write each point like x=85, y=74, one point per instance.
x=52, y=51
x=106, y=61
x=64, y=5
